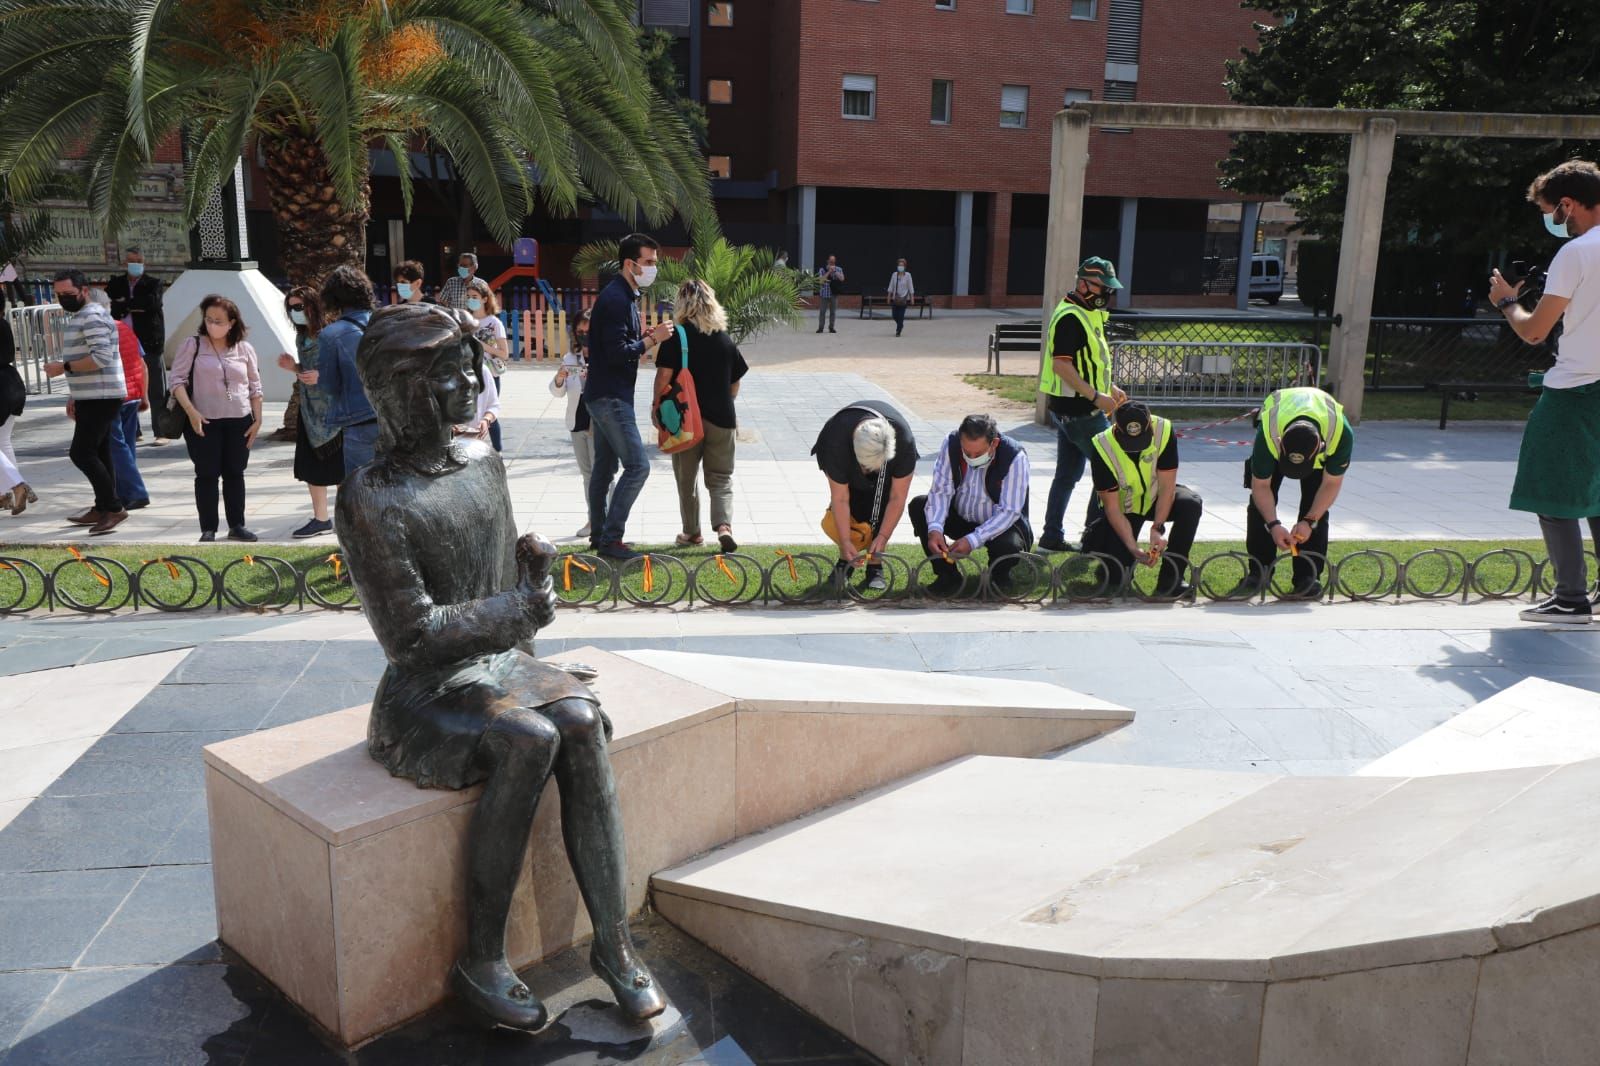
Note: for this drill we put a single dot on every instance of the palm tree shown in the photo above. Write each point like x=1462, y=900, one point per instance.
x=756, y=294
x=530, y=98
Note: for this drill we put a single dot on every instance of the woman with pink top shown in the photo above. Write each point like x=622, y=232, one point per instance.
x=215, y=380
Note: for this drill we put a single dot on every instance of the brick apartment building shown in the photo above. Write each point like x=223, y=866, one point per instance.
x=872, y=129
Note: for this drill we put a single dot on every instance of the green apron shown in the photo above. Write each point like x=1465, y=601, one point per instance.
x=1558, y=470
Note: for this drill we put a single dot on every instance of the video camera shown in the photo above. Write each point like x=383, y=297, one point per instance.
x=1531, y=276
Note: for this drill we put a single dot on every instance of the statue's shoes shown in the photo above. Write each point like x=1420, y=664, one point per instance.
x=515, y=1008
x=637, y=993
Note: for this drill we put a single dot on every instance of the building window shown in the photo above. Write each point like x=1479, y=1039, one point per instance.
x=1083, y=9
x=721, y=166
x=719, y=13
x=719, y=91
x=1076, y=95
x=1019, y=7
x=1014, y=105
x=942, y=92
x=860, y=96
x=944, y=5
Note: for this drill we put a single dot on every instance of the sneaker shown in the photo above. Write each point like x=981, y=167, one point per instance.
x=944, y=586
x=136, y=505
x=1308, y=593
x=1249, y=588
x=1058, y=544
x=241, y=533
x=832, y=330
x=875, y=580
x=208, y=536
x=584, y=532
x=314, y=528
x=1553, y=612
x=1181, y=591
x=108, y=523
x=616, y=550
x=726, y=542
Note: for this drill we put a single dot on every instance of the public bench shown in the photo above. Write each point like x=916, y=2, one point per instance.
x=1012, y=337
x=1449, y=389
x=869, y=303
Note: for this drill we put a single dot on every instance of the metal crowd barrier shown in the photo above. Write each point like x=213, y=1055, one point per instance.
x=1212, y=373
x=37, y=330
x=184, y=583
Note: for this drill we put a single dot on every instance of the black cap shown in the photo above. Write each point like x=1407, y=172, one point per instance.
x=1133, y=426
x=1297, y=452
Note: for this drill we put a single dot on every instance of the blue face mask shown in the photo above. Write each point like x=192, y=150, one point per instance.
x=474, y=304
x=463, y=272
x=1557, y=229
x=298, y=317
x=404, y=289
x=135, y=270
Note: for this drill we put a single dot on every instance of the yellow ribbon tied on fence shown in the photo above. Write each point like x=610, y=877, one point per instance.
x=172, y=568
x=337, y=563
x=649, y=576
x=722, y=564
x=786, y=557
x=249, y=560
x=566, y=571
x=98, y=576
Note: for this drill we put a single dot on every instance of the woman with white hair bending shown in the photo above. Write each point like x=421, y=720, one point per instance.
x=717, y=367
x=868, y=454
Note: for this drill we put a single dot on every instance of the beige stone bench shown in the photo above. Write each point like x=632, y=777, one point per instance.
x=344, y=886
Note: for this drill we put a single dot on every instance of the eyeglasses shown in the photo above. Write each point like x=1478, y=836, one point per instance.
x=297, y=307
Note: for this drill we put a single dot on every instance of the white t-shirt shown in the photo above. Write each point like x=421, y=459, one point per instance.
x=488, y=398
x=1575, y=274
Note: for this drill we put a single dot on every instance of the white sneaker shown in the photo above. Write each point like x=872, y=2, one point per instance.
x=584, y=532
x=1553, y=612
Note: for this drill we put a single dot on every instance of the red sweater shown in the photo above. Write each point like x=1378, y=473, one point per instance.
x=132, y=359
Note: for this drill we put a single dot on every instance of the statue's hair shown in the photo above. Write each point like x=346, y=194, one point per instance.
x=401, y=344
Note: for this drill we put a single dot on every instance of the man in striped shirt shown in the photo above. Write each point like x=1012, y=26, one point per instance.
x=91, y=361
x=979, y=498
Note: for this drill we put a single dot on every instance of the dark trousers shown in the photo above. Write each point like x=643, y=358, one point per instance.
x=827, y=311
x=1012, y=542
x=91, y=449
x=219, y=454
x=1258, y=542
x=1183, y=521
x=1074, y=442
x=155, y=386
x=898, y=310
x=494, y=427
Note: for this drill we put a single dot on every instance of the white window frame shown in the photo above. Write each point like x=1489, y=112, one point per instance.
x=1073, y=96
x=1028, y=4
x=1022, y=125
x=860, y=86
x=1093, y=10
x=949, y=102
x=944, y=5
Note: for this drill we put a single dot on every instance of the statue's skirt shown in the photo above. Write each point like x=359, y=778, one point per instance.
x=426, y=724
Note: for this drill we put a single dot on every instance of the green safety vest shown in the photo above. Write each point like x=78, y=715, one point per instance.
x=1288, y=405
x=1095, y=369
x=1136, y=474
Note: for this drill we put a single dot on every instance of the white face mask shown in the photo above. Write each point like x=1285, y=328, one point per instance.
x=901, y=269
x=298, y=317
x=978, y=462
x=647, y=276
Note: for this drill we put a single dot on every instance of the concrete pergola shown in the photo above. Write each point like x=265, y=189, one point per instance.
x=1372, y=135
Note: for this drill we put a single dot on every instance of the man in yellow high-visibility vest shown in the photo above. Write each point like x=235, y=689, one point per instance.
x=1301, y=433
x=1135, y=471
x=1075, y=376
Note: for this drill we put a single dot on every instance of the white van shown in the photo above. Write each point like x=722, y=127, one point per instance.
x=1266, y=278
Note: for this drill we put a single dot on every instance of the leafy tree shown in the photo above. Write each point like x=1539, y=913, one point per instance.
x=757, y=295
x=1463, y=195
x=656, y=48
x=530, y=98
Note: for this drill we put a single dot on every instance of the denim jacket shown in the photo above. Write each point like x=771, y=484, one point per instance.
x=336, y=371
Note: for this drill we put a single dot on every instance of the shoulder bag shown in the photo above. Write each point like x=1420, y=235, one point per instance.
x=677, y=407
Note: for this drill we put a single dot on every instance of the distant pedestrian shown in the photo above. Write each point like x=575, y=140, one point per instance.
x=347, y=301
x=717, y=367
x=13, y=397
x=782, y=262
x=91, y=361
x=454, y=292
x=125, y=430
x=218, y=385
x=901, y=290
x=828, y=294
x=491, y=333
x=136, y=298
x=568, y=383
x=318, y=445
x=615, y=347
x=408, y=288
x=868, y=454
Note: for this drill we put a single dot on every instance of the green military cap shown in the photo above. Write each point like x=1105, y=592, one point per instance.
x=1099, y=270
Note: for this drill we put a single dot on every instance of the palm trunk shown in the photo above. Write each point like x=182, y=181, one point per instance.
x=316, y=232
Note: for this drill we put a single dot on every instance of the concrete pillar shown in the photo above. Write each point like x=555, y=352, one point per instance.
x=1127, y=231
x=808, y=228
x=1249, y=216
x=962, y=281
x=1371, y=155
x=1063, y=242
x=999, y=247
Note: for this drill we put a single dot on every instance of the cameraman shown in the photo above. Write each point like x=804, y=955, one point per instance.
x=1558, y=470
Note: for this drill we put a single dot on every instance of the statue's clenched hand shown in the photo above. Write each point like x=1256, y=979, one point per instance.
x=534, y=556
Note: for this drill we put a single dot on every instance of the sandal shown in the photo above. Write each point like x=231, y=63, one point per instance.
x=684, y=540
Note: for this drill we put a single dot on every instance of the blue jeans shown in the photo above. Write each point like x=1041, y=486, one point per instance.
x=360, y=443
x=124, y=465
x=616, y=442
x=1074, y=440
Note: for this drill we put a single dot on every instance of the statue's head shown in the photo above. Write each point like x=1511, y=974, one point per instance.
x=419, y=364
